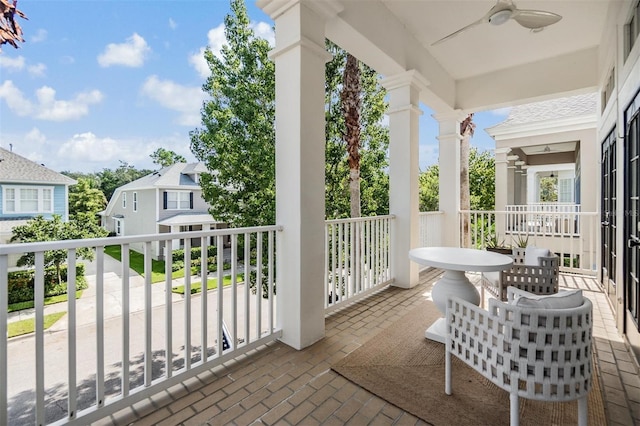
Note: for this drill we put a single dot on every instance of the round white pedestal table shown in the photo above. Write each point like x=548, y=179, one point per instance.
x=455, y=262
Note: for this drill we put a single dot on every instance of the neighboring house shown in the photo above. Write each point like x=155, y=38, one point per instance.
x=29, y=189
x=550, y=144
x=168, y=200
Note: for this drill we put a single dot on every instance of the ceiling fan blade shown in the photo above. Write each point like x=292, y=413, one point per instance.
x=535, y=19
x=460, y=31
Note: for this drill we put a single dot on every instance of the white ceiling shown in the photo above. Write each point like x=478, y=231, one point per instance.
x=486, y=66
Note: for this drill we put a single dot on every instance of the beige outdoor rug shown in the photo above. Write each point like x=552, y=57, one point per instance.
x=402, y=367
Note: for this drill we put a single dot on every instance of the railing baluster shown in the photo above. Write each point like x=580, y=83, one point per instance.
x=148, y=324
x=125, y=319
x=72, y=398
x=219, y=294
x=187, y=304
x=4, y=317
x=271, y=281
x=100, y=326
x=204, y=295
x=39, y=337
x=247, y=281
x=259, y=286
x=326, y=265
x=234, y=287
x=168, y=301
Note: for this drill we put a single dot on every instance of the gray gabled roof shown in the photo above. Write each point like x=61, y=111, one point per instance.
x=15, y=168
x=178, y=174
x=553, y=109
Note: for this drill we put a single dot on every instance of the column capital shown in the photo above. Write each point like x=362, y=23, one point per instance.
x=304, y=43
x=408, y=78
x=454, y=115
x=501, y=155
x=274, y=8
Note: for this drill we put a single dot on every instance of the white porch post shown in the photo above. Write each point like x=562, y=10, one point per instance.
x=175, y=244
x=502, y=178
x=404, y=113
x=300, y=58
x=449, y=179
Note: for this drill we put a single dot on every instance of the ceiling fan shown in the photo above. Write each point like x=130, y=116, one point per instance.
x=502, y=11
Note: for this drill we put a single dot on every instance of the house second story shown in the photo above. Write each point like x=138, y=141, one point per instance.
x=141, y=204
x=29, y=189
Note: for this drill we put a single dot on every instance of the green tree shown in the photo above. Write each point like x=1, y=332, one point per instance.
x=86, y=198
x=165, y=158
x=238, y=137
x=111, y=179
x=481, y=183
x=40, y=229
x=373, y=138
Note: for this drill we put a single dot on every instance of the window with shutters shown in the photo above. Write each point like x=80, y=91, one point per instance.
x=135, y=201
x=178, y=200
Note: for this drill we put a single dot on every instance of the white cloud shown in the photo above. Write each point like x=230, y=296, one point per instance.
x=216, y=39
x=183, y=99
x=12, y=64
x=172, y=24
x=131, y=53
x=35, y=136
x=67, y=60
x=88, y=147
x=264, y=30
x=37, y=70
x=501, y=111
x=40, y=35
x=47, y=106
x=428, y=155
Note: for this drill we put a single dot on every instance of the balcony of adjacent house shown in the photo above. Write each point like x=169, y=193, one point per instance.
x=146, y=344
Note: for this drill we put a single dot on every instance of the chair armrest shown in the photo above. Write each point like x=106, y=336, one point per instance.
x=514, y=292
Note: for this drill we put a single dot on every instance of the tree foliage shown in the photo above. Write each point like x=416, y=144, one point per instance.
x=481, y=183
x=111, y=179
x=237, y=140
x=374, y=142
x=165, y=157
x=86, y=198
x=40, y=229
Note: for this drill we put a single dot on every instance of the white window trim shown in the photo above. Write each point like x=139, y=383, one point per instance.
x=124, y=200
x=118, y=226
x=41, y=207
x=178, y=201
x=135, y=201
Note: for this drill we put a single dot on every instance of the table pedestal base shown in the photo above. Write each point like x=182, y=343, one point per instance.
x=436, y=331
x=452, y=283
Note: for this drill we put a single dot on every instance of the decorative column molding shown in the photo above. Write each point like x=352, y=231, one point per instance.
x=300, y=59
x=404, y=113
x=449, y=174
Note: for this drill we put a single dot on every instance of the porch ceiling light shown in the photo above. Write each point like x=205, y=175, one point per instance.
x=500, y=17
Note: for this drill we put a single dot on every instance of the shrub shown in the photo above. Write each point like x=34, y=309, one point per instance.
x=196, y=253
x=21, y=283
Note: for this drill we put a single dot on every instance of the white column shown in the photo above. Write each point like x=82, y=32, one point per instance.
x=449, y=168
x=175, y=244
x=404, y=168
x=300, y=58
x=502, y=178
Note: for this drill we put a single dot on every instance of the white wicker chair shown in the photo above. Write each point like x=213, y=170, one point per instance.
x=537, y=279
x=535, y=353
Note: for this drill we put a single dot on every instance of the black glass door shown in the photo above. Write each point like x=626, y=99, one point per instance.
x=608, y=218
x=632, y=217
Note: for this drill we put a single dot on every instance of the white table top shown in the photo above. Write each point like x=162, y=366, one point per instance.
x=460, y=259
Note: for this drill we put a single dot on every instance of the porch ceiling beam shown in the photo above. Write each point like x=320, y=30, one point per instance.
x=392, y=51
x=574, y=73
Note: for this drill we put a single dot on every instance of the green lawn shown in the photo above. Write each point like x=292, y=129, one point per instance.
x=19, y=328
x=47, y=301
x=212, y=283
x=136, y=262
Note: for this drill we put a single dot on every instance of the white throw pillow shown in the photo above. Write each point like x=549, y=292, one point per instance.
x=562, y=300
x=532, y=255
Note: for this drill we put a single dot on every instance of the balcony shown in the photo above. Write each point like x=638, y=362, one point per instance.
x=245, y=374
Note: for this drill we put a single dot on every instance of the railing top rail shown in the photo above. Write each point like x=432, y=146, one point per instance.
x=359, y=219
x=527, y=211
x=434, y=212
x=109, y=241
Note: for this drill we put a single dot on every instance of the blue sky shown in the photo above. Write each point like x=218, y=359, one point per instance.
x=101, y=81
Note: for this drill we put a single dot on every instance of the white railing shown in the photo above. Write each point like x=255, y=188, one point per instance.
x=357, y=258
x=558, y=218
x=430, y=228
x=576, y=245
x=128, y=338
